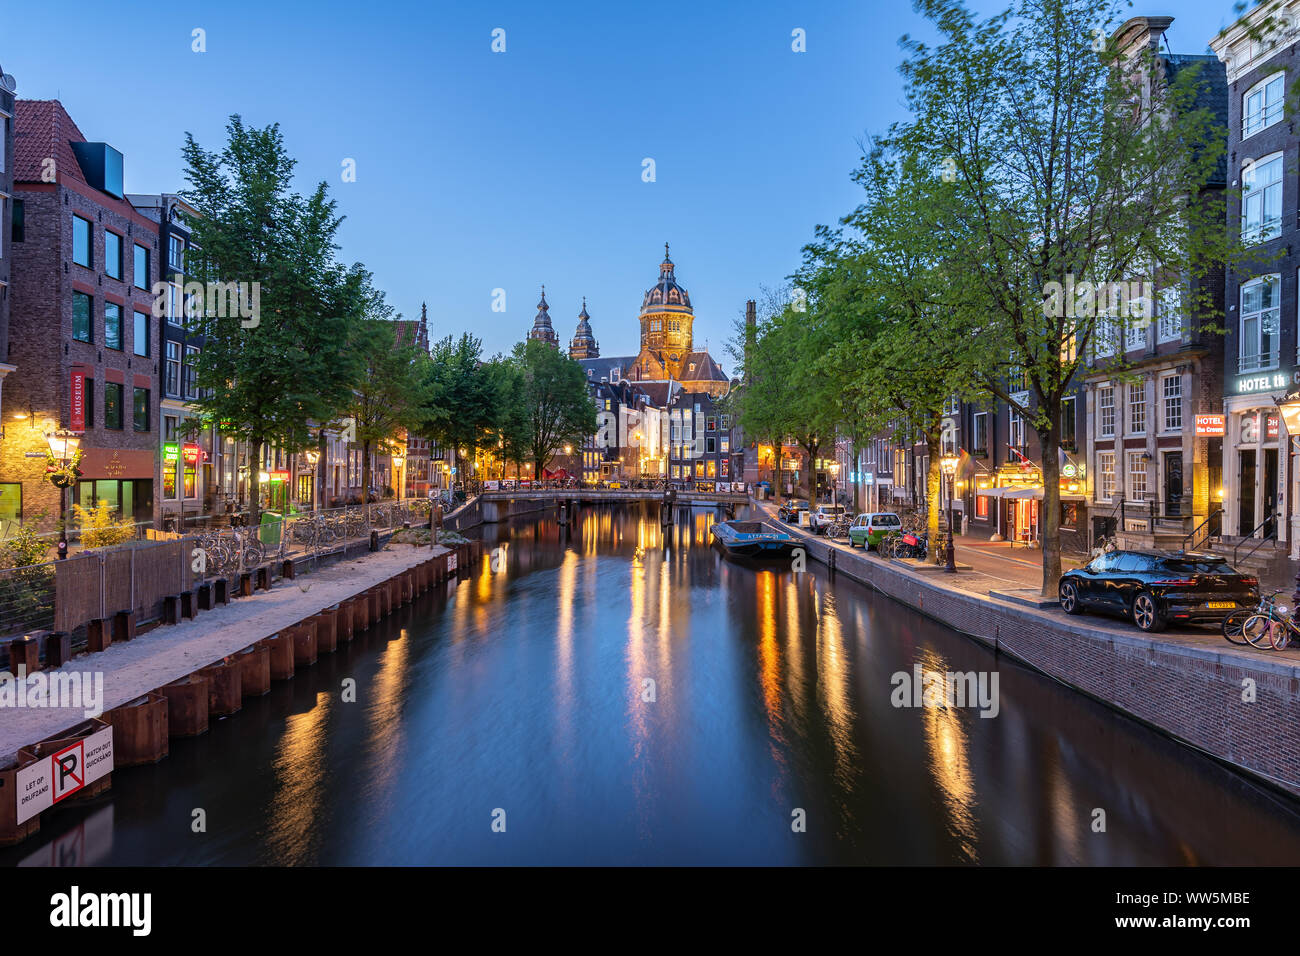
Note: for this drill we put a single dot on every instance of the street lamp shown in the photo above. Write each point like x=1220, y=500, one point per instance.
x=63, y=449
x=949, y=466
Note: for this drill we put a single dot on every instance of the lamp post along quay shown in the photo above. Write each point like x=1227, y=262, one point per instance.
x=949, y=466
x=62, y=471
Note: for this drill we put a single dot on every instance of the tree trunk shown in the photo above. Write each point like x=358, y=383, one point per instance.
x=857, y=478
x=255, y=484
x=811, y=449
x=319, y=499
x=1049, y=518
x=933, y=489
x=365, y=477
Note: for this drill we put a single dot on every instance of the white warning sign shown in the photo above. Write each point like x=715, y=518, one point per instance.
x=63, y=773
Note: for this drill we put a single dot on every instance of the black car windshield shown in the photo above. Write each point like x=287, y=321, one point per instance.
x=1197, y=566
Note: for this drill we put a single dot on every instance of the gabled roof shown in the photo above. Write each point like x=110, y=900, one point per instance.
x=598, y=368
x=706, y=369
x=43, y=130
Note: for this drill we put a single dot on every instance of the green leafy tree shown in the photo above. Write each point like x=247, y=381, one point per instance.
x=388, y=398
x=461, y=398
x=785, y=396
x=1068, y=160
x=554, y=407
x=268, y=372
x=877, y=284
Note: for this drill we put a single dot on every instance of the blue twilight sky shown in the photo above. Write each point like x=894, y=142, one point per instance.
x=478, y=170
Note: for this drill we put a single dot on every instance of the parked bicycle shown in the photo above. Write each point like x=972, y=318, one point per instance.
x=1270, y=625
x=839, y=528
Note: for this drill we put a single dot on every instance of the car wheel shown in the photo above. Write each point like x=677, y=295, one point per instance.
x=1146, y=614
x=1070, y=602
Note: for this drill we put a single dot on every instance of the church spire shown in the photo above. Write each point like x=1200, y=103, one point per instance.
x=584, y=344
x=542, y=328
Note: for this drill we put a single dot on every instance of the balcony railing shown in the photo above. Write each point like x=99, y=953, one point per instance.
x=1258, y=362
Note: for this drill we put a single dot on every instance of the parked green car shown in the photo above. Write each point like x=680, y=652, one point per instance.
x=867, y=529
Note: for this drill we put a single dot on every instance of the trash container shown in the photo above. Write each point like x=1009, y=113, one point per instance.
x=269, y=532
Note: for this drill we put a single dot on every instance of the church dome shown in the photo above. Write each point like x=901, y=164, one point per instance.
x=666, y=295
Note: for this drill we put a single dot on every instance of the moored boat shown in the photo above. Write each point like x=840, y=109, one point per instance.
x=752, y=539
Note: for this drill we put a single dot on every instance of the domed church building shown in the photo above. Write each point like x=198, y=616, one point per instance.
x=667, y=343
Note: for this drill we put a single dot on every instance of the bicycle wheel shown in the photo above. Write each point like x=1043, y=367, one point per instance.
x=1258, y=631
x=1282, y=635
x=1232, y=625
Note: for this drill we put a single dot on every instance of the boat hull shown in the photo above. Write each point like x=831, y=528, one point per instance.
x=745, y=542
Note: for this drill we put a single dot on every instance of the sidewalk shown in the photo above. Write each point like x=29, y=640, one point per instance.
x=996, y=566
x=165, y=654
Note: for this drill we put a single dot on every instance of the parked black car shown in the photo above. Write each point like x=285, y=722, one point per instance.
x=789, y=512
x=1154, y=588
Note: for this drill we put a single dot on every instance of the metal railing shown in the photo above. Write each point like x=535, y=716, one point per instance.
x=1213, y=528
x=139, y=575
x=1259, y=542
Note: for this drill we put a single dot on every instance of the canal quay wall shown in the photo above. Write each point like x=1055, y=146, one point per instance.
x=1196, y=695
x=171, y=681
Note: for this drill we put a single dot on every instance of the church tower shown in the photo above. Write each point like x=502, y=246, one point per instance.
x=666, y=320
x=584, y=344
x=542, y=328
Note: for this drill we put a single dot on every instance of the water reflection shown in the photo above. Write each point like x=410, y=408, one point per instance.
x=628, y=696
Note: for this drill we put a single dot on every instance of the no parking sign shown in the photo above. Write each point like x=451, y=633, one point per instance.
x=63, y=773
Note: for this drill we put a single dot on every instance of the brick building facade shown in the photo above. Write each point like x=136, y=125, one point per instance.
x=11, y=213
x=80, y=320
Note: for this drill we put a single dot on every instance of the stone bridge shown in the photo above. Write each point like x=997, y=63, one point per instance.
x=493, y=506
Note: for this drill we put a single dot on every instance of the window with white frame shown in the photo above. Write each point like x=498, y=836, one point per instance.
x=1106, y=411
x=173, y=380
x=1015, y=430
x=175, y=304
x=980, y=433
x=948, y=437
x=952, y=405
x=1261, y=203
x=1105, y=336
x=1260, y=312
x=1106, y=475
x=1135, y=334
x=1171, y=389
x=1137, y=409
x=1169, y=314
x=1137, y=475
x=1261, y=107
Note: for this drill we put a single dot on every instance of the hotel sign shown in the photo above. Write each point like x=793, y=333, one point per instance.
x=1211, y=425
x=1249, y=384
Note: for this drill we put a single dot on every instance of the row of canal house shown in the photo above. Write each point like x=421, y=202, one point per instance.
x=1189, y=443
x=84, y=351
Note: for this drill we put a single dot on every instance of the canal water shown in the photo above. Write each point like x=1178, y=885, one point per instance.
x=609, y=694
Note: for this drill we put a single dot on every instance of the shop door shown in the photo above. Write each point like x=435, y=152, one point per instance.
x=1270, y=493
x=1173, y=483
x=1246, y=492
